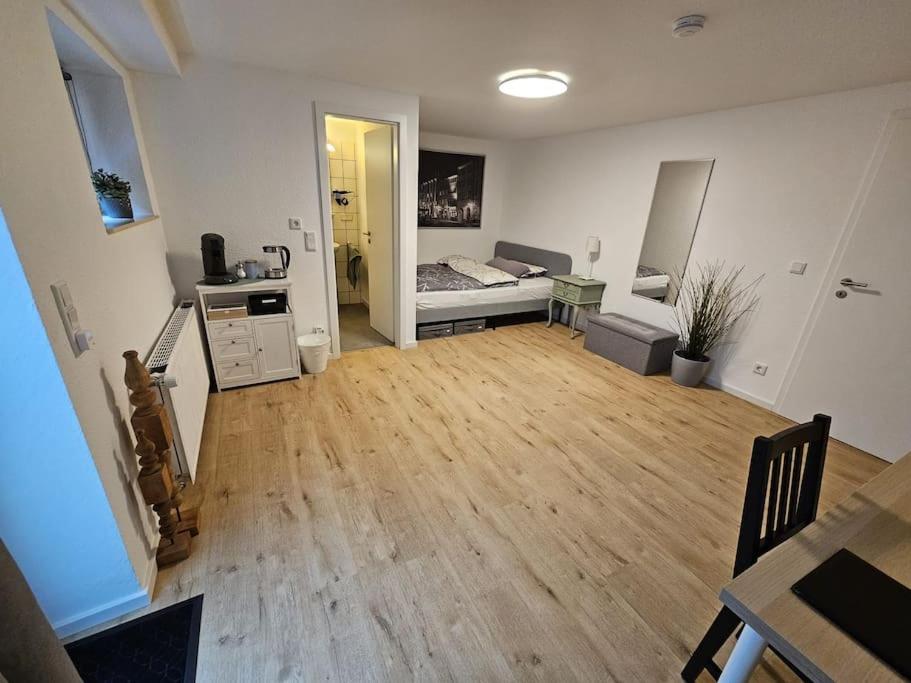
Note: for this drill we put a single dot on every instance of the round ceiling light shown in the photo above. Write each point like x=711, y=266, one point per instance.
x=533, y=83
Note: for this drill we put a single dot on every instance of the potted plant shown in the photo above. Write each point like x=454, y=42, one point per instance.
x=711, y=301
x=113, y=194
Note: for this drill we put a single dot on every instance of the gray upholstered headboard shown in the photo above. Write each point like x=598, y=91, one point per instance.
x=555, y=262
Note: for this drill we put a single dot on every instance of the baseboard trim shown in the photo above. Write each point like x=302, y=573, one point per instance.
x=102, y=613
x=740, y=393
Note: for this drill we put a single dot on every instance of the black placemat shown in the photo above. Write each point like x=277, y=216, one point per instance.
x=867, y=604
x=161, y=646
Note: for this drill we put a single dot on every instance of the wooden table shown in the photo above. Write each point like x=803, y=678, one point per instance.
x=577, y=292
x=875, y=524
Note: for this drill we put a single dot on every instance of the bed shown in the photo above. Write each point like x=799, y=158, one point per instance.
x=530, y=294
x=651, y=283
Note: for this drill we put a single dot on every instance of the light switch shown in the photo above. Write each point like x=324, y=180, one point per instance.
x=798, y=267
x=80, y=340
x=310, y=240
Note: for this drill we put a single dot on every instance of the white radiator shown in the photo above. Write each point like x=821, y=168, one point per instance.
x=178, y=367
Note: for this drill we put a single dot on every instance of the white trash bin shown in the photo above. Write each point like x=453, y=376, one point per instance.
x=314, y=351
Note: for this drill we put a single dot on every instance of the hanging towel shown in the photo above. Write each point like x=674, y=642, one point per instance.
x=354, y=265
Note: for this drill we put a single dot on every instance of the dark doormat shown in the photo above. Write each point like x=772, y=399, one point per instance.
x=161, y=646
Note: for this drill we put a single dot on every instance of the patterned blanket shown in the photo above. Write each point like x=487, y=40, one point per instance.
x=648, y=271
x=433, y=277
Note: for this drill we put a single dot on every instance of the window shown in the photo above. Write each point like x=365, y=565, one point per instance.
x=101, y=115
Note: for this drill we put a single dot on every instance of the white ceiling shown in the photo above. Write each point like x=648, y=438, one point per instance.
x=624, y=64
x=133, y=30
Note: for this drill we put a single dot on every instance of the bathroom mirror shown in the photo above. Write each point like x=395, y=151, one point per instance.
x=676, y=206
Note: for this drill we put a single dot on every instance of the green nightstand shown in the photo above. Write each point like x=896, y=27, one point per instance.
x=577, y=292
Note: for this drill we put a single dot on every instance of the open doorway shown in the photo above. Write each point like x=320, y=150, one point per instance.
x=362, y=188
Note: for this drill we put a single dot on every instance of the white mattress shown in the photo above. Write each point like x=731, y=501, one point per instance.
x=528, y=289
x=650, y=282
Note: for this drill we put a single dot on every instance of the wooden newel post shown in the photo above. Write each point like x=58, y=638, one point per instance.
x=154, y=439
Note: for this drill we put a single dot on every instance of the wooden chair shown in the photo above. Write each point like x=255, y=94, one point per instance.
x=782, y=496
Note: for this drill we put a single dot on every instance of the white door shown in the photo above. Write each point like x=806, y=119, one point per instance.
x=378, y=162
x=856, y=366
x=277, y=347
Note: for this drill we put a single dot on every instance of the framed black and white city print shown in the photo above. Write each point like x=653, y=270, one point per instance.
x=449, y=189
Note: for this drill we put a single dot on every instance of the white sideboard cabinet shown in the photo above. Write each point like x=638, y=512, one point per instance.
x=249, y=349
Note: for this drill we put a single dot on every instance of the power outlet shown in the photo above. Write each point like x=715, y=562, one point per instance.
x=760, y=368
x=295, y=224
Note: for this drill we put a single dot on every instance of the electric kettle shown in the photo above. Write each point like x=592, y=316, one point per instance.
x=274, y=252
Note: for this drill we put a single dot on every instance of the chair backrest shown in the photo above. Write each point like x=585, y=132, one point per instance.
x=783, y=486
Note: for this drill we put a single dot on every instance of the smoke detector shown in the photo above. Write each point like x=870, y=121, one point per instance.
x=689, y=25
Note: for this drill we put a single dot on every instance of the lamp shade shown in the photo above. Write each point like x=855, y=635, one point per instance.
x=593, y=246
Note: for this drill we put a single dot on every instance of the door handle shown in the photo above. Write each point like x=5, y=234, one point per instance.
x=848, y=282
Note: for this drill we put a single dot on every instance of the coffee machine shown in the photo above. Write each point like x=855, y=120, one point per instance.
x=213, y=260
x=274, y=271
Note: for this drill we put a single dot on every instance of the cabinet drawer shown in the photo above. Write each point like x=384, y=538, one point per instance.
x=567, y=291
x=238, y=371
x=233, y=349
x=230, y=328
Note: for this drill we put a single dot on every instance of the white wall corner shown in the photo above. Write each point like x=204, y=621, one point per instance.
x=163, y=32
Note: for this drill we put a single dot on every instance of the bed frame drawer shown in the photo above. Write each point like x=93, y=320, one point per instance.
x=469, y=326
x=434, y=331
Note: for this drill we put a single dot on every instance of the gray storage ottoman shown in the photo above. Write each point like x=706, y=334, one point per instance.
x=636, y=345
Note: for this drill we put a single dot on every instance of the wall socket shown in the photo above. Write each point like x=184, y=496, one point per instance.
x=760, y=368
x=295, y=224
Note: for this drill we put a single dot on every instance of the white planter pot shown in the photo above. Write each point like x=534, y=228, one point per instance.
x=688, y=373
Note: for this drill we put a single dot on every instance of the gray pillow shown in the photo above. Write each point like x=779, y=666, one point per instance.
x=514, y=268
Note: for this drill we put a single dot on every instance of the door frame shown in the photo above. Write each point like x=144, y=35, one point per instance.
x=398, y=122
x=841, y=246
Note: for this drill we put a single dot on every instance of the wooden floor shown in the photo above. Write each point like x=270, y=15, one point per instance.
x=496, y=506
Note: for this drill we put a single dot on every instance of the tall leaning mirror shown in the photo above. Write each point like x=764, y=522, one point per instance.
x=672, y=221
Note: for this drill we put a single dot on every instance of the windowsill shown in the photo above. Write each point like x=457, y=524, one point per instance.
x=113, y=225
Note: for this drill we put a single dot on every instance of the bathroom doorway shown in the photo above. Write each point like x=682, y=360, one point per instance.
x=362, y=182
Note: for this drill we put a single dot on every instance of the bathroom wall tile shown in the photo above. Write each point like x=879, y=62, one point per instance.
x=349, y=169
x=336, y=154
x=336, y=167
x=352, y=236
x=348, y=149
x=350, y=184
x=352, y=206
x=342, y=284
x=342, y=298
x=354, y=297
x=338, y=235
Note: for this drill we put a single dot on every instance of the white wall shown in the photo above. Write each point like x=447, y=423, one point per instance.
x=782, y=187
x=122, y=291
x=233, y=151
x=434, y=243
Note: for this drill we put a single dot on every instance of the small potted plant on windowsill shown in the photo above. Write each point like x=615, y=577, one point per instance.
x=710, y=302
x=113, y=194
